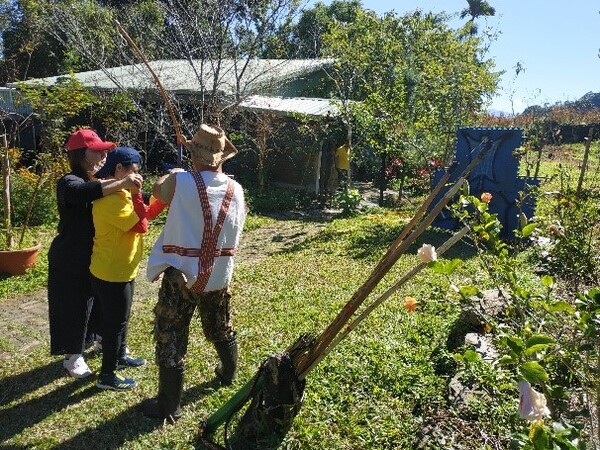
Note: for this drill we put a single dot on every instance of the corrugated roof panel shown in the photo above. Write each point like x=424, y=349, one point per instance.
x=179, y=76
x=11, y=102
x=285, y=106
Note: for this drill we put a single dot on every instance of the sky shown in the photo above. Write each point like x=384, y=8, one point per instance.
x=557, y=43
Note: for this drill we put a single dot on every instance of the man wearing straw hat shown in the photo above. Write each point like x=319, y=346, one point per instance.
x=194, y=253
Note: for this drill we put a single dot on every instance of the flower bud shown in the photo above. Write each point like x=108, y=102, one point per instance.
x=410, y=304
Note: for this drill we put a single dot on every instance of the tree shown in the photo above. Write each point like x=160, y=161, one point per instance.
x=476, y=9
x=28, y=51
x=414, y=80
x=216, y=38
x=305, y=39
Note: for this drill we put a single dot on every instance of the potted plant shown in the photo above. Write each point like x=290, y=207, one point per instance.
x=14, y=258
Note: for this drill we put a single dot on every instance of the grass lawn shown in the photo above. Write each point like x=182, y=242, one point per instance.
x=370, y=392
x=384, y=387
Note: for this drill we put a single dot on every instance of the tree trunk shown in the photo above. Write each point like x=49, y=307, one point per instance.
x=382, y=179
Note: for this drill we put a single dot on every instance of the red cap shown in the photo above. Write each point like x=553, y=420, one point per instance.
x=88, y=139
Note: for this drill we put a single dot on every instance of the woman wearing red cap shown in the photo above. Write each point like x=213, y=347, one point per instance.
x=69, y=291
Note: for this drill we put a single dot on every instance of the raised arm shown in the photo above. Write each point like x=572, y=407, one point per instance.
x=164, y=187
x=131, y=181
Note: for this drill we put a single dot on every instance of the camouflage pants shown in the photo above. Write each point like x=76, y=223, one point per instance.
x=173, y=314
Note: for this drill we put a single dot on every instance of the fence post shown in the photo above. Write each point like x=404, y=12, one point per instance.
x=586, y=154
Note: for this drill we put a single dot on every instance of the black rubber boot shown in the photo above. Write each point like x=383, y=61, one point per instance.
x=226, y=371
x=170, y=387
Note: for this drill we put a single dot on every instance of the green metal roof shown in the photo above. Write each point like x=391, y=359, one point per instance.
x=231, y=77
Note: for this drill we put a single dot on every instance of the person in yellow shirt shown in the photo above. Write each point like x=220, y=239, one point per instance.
x=342, y=163
x=120, y=219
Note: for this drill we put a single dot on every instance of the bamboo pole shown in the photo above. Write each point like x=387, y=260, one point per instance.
x=9, y=238
x=383, y=297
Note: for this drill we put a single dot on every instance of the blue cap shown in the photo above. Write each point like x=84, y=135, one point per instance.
x=123, y=155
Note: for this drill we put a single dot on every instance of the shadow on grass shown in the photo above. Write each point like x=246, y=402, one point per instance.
x=376, y=239
x=127, y=426
x=130, y=424
x=15, y=387
x=17, y=418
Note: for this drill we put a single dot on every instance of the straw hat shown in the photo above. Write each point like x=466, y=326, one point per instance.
x=210, y=146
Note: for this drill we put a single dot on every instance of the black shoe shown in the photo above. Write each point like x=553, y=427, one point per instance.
x=128, y=361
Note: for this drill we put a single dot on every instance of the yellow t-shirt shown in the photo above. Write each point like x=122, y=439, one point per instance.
x=342, y=157
x=117, y=251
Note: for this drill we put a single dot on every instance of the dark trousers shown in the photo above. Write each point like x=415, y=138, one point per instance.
x=69, y=305
x=173, y=314
x=115, y=300
x=94, y=328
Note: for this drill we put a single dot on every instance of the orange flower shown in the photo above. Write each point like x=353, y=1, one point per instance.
x=486, y=197
x=410, y=304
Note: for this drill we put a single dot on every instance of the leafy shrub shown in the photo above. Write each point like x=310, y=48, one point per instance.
x=43, y=210
x=33, y=198
x=348, y=200
x=571, y=228
x=543, y=339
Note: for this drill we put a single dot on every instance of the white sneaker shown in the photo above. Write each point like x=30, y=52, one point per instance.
x=96, y=346
x=76, y=366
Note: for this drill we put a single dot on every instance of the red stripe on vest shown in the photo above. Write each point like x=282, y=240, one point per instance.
x=196, y=252
x=210, y=235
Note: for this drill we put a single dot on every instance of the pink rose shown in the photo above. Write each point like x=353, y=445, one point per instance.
x=486, y=197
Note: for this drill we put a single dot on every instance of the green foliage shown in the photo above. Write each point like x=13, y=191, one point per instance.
x=275, y=199
x=306, y=36
x=114, y=111
x=348, y=200
x=570, y=228
x=540, y=337
x=24, y=189
x=415, y=78
x=54, y=106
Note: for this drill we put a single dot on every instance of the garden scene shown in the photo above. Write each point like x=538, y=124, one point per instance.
x=428, y=269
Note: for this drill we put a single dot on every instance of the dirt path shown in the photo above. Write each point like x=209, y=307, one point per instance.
x=24, y=320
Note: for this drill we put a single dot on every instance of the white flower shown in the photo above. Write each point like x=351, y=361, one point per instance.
x=532, y=404
x=427, y=253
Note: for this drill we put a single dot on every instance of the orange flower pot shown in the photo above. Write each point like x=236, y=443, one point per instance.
x=16, y=262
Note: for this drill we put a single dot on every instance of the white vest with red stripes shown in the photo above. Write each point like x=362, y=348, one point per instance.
x=202, y=232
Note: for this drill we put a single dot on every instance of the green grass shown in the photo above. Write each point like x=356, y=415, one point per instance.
x=384, y=387
x=363, y=395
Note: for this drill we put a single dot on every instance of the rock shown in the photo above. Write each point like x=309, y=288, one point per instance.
x=482, y=309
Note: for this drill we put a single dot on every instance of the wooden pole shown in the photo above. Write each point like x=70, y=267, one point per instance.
x=586, y=155
x=6, y=193
x=383, y=297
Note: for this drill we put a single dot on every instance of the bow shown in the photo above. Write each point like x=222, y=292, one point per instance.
x=180, y=138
